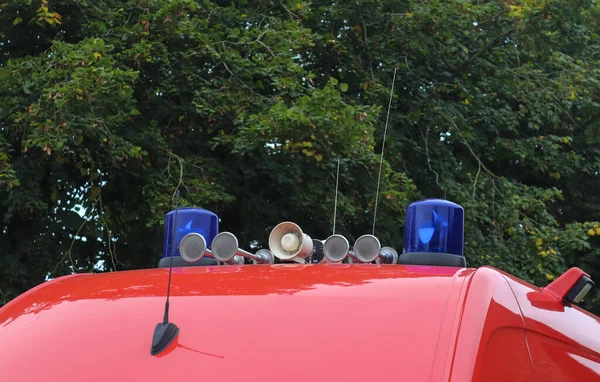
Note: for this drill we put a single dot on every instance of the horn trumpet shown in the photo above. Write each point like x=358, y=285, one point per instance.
x=225, y=249
x=336, y=248
x=367, y=249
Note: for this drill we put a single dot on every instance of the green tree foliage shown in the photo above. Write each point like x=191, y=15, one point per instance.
x=246, y=106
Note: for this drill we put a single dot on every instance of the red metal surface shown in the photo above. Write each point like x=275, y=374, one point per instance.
x=564, y=340
x=252, y=323
x=326, y=322
x=491, y=343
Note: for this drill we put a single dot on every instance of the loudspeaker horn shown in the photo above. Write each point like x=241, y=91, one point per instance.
x=288, y=242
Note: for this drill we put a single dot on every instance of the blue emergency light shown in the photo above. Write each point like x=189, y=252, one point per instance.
x=189, y=219
x=434, y=226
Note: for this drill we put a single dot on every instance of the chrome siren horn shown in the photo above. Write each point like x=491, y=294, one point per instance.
x=367, y=249
x=336, y=248
x=193, y=247
x=225, y=249
x=288, y=242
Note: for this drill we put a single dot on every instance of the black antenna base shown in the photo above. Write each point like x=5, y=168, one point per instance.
x=164, y=334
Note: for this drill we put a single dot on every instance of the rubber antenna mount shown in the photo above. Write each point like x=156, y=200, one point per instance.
x=164, y=334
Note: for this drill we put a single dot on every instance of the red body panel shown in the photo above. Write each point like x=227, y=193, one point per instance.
x=491, y=344
x=325, y=322
x=564, y=340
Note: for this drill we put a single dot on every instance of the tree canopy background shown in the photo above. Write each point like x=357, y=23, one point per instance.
x=107, y=107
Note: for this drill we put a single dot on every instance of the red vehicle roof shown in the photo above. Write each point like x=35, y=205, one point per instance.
x=323, y=322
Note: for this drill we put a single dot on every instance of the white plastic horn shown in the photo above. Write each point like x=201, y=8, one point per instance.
x=288, y=242
x=336, y=248
x=225, y=249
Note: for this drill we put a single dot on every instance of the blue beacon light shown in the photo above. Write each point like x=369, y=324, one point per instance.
x=189, y=220
x=434, y=226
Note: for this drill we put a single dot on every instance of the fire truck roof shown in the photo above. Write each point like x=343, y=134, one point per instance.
x=299, y=322
x=293, y=322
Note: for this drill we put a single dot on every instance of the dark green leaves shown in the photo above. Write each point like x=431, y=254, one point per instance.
x=108, y=108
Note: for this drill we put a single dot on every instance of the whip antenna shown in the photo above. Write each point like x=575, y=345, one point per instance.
x=165, y=332
x=337, y=182
x=383, y=148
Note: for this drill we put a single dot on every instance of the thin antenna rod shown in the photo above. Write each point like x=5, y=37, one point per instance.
x=337, y=182
x=166, y=318
x=166, y=332
x=383, y=149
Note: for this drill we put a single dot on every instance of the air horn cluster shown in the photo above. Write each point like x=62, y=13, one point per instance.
x=288, y=242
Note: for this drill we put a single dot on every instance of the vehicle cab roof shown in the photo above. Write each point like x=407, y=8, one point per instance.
x=272, y=322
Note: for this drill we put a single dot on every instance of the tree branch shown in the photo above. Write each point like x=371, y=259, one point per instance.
x=476, y=55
